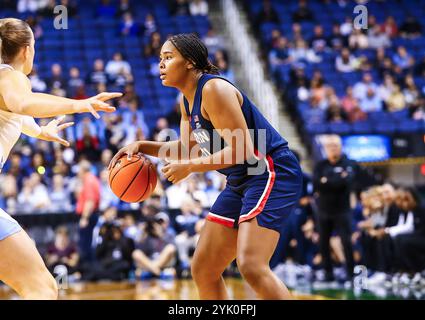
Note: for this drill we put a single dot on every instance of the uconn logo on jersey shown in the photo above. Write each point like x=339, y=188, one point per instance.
x=202, y=137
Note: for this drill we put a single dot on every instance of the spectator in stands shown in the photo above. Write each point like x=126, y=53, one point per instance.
x=345, y=62
x=410, y=91
x=389, y=27
x=123, y=7
x=396, y=100
x=46, y=10
x=37, y=84
x=179, y=7
x=9, y=193
x=98, y=75
x=360, y=88
x=302, y=53
x=57, y=79
x=318, y=42
x=62, y=252
x=279, y=55
x=116, y=65
x=377, y=38
x=403, y=59
x=134, y=118
x=130, y=94
x=346, y=27
x=60, y=196
x=155, y=252
x=87, y=144
x=130, y=228
x=75, y=81
x=32, y=6
x=411, y=28
x=372, y=102
x=107, y=197
x=153, y=48
x=303, y=13
x=225, y=70
x=34, y=197
x=213, y=41
x=333, y=180
x=358, y=40
x=198, y=8
x=318, y=93
x=267, y=14
x=106, y=9
x=336, y=40
x=149, y=25
x=334, y=113
x=129, y=27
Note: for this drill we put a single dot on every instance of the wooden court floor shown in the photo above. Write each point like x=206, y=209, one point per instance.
x=147, y=290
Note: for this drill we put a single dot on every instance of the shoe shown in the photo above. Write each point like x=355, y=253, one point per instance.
x=146, y=275
x=377, y=279
x=167, y=274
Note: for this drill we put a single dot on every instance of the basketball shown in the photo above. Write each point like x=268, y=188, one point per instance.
x=133, y=180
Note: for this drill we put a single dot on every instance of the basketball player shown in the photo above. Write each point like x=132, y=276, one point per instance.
x=21, y=266
x=245, y=220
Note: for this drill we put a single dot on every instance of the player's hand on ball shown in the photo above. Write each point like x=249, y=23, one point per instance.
x=175, y=172
x=97, y=103
x=50, y=132
x=129, y=150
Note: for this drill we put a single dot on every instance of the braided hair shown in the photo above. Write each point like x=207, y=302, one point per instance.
x=193, y=49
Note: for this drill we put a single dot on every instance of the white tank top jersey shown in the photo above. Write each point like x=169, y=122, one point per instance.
x=10, y=128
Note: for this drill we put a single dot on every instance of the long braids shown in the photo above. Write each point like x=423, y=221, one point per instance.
x=194, y=50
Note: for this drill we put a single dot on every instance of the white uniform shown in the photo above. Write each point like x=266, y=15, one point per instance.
x=11, y=127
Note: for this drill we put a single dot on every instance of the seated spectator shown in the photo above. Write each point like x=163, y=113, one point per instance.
x=134, y=118
x=377, y=38
x=9, y=193
x=62, y=252
x=153, y=48
x=37, y=84
x=179, y=8
x=225, y=70
x=123, y=7
x=318, y=92
x=356, y=113
x=402, y=58
x=410, y=28
x=130, y=228
x=75, y=81
x=360, y=88
x=198, y=8
x=303, y=13
x=98, y=75
x=389, y=27
x=410, y=91
x=318, y=42
x=346, y=28
x=348, y=101
x=116, y=65
x=345, y=62
x=60, y=197
x=149, y=25
x=156, y=252
x=106, y=9
x=213, y=41
x=279, y=56
x=409, y=238
x=395, y=101
x=57, y=79
x=372, y=102
x=301, y=53
x=267, y=14
x=34, y=197
x=334, y=113
x=129, y=27
x=336, y=40
x=107, y=197
x=88, y=145
x=358, y=40
x=29, y=5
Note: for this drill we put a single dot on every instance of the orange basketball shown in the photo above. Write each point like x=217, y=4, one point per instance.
x=133, y=180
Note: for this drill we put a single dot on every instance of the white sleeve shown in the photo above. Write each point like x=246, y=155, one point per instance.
x=30, y=127
x=406, y=227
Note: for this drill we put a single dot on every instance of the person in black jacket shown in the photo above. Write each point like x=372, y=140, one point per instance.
x=410, y=246
x=333, y=180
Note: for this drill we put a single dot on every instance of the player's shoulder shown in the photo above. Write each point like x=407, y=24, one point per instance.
x=217, y=85
x=8, y=75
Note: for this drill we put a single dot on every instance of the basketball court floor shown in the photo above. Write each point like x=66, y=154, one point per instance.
x=186, y=290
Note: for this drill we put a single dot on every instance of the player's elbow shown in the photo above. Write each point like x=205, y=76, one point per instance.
x=19, y=105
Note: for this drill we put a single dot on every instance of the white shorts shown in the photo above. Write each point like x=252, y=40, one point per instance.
x=8, y=225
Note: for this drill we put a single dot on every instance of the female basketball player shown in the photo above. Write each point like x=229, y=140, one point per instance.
x=245, y=220
x=21, y=266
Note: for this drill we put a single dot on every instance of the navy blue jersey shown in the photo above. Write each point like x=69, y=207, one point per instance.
x=210, y=140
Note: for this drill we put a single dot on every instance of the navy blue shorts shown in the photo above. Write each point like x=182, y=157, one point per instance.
x=270, y=197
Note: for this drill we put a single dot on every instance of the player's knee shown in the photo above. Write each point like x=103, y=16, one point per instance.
x=249, y=267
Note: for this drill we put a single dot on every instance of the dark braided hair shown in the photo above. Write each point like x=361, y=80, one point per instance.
x=194, y=50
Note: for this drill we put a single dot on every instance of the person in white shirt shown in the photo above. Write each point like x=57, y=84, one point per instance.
x=117, y=65
x=21, y=266
x=198, y=7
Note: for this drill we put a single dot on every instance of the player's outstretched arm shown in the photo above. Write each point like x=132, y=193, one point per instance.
x=15, y=89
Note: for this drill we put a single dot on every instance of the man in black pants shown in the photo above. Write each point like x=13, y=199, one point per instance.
x=333, y=180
